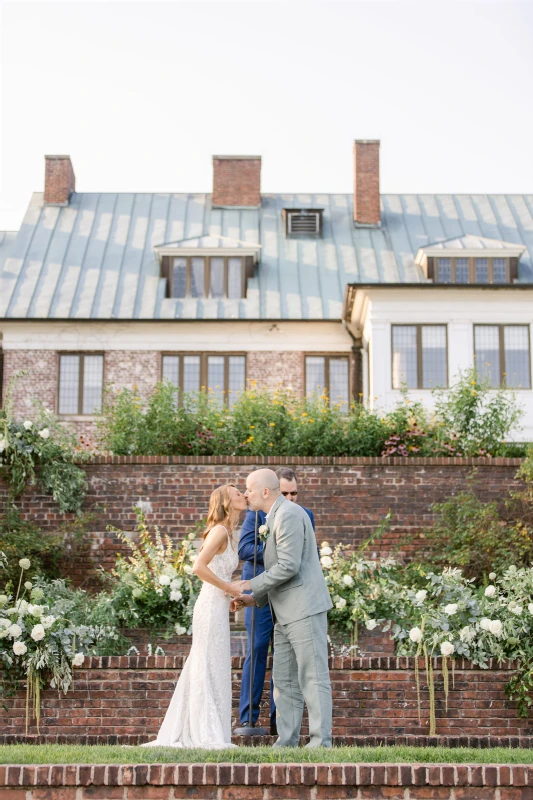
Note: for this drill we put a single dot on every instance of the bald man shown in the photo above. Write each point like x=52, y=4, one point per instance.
x=294, y=585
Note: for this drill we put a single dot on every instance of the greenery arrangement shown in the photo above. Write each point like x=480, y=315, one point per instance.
x=470, y=419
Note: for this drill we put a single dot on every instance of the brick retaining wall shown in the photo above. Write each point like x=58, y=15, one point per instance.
x=278, y=781
x=375, y=696
x=349, y=496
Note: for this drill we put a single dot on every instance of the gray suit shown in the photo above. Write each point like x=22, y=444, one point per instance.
x=294, y=585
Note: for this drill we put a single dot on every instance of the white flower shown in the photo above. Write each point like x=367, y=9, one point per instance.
x=24, y=563
x=28, y=585
x=326, y=562
x=15, y=631
x=371, y=624
x=35, y=611
x=164, y=580
x=492, y=576
x=517, y=610
x=169, y=570
x=45, y=433
x=447, y=648
x=4, y=623
x=176, y=583
x=3, y=445
x=341, y=603
x=484, y=624
x=47, y=622
x=4, y=632
x=490, y=591
x=415, y=635
x=19, y=648
x=28, y=424
x=37, y=633
x=512, y=569
x=137, y=592
x=262, y=529
x=467, y=634
x=78, y=660
x=191, y=535
x=3, y=599
x=21, y=606
x=175, y=596
x=326, y=551
x=324, y=544
x=421, y=595
x=180, y=630
x=530, y=608
x=495, y=627
x=347, y=580
x=450, y=609
x=187, y=569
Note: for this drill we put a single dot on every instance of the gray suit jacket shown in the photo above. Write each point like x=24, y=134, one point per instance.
x=293, y=581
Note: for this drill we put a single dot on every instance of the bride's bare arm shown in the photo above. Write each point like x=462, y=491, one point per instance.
x=214, y=541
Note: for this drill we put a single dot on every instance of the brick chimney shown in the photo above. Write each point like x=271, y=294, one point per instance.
x=236, y=181
x=59, y=180
x=366, y=204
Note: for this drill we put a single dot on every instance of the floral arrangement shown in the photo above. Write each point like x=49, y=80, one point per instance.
x=154, y=586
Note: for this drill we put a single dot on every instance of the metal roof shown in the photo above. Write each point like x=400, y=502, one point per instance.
x=95, y=258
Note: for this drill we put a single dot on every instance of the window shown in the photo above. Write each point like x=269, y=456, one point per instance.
x=81, y=378
x=223, y=375
x=419, y=356
x=303, y=221
x=473, y=270
x=329, y=373
x=502, y=355
x=214, y=276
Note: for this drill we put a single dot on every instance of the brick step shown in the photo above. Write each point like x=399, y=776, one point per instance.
x=374, y=696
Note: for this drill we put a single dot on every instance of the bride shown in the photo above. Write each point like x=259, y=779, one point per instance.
x=199, y=714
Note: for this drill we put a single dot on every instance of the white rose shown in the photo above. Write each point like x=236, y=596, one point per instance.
x=45, y=433
x=495, y=627
x=347, y=580
x=421, y=595
x=175, y=596
x=19, y=648
x=22, y=607
x=24, y=563
x=326, y=562
x=492, y=576
x=164, y=580
x=47, y=622
x=341, y=603
x=191, y=535
x=180, y=630
x=28, y=424
x=15, y=631
x=176, y=583
x=415, y=635
x=187, y=569
x=4, y=632
x=262, y=530
x=517, y=610
x=78, y=660
x=512, y=605
x=3, y=599
x=324, y=544
x=37, y=633
x=484, y=624
x=371, y=624
x=530, y=608
x=28, y=585
x=35, y=611
x=450, y=609
x=447, y=648
x=4, y=623
x=326, y=551
x=490, y=591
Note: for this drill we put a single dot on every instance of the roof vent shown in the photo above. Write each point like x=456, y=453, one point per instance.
x=303, y=221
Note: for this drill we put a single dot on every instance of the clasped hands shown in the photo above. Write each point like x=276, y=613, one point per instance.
x=236, y=590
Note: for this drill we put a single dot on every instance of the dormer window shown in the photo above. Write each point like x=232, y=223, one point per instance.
x=470, y=259
x=303, y=221
x=471, y=270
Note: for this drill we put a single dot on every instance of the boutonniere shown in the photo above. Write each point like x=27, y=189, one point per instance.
x=264, y=533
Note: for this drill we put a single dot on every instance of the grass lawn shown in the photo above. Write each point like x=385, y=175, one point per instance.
x=114, y=754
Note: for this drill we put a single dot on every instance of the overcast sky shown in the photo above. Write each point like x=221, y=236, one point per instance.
x=141, y=95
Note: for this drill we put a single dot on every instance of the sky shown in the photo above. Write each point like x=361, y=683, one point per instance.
x=142, y=95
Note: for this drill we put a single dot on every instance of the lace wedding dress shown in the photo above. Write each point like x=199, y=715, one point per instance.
x=199, y=714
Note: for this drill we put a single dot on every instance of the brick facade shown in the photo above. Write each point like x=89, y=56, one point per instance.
x=236, y=181
x=128, y=368
x=273, y=370
x=41, y=382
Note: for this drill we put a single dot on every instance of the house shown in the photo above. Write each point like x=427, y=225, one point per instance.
x=360, y=293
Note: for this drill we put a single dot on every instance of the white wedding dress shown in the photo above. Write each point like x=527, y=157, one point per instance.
x=199, y=714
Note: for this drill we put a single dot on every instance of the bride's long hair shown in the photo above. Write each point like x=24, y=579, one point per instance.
x=221, y=511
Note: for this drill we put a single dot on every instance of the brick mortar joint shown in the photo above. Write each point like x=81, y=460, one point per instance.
x=305, y=460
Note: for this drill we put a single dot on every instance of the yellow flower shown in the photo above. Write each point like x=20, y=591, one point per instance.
x=271, y=445
x=250, y=439
x=252, y=426
x=272, y=424
x=311, y=420
x=304, y=414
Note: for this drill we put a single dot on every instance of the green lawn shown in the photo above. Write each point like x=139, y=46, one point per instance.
x=114, y=754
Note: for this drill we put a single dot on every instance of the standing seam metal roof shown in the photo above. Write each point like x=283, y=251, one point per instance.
x=95, y=258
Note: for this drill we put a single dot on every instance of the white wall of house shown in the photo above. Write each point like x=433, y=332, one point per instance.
x=375, y=311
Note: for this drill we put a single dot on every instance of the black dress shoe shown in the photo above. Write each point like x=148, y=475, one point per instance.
x=273, y=729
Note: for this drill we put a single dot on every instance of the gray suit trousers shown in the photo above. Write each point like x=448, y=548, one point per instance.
x=301, y=674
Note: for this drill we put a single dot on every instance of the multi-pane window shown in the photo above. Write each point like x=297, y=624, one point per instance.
x=472, y=270
x=214, y=276
x=223, y=375
x=419, y=356
x=81, y=379
x=330, y=374
x=502, y=355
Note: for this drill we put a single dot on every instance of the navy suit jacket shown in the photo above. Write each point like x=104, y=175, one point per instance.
x=246, y=543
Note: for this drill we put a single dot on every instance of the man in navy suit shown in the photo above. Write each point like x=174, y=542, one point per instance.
x=263, y=616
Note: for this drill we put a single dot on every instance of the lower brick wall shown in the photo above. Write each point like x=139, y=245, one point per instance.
x=128, y=696
x=278, y=781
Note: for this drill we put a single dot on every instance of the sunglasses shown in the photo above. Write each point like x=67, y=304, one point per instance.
x=292, y=494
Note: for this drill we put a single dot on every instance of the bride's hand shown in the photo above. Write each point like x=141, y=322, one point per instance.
x=236, y=588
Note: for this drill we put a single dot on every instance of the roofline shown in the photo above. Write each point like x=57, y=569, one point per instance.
x=202, y=321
